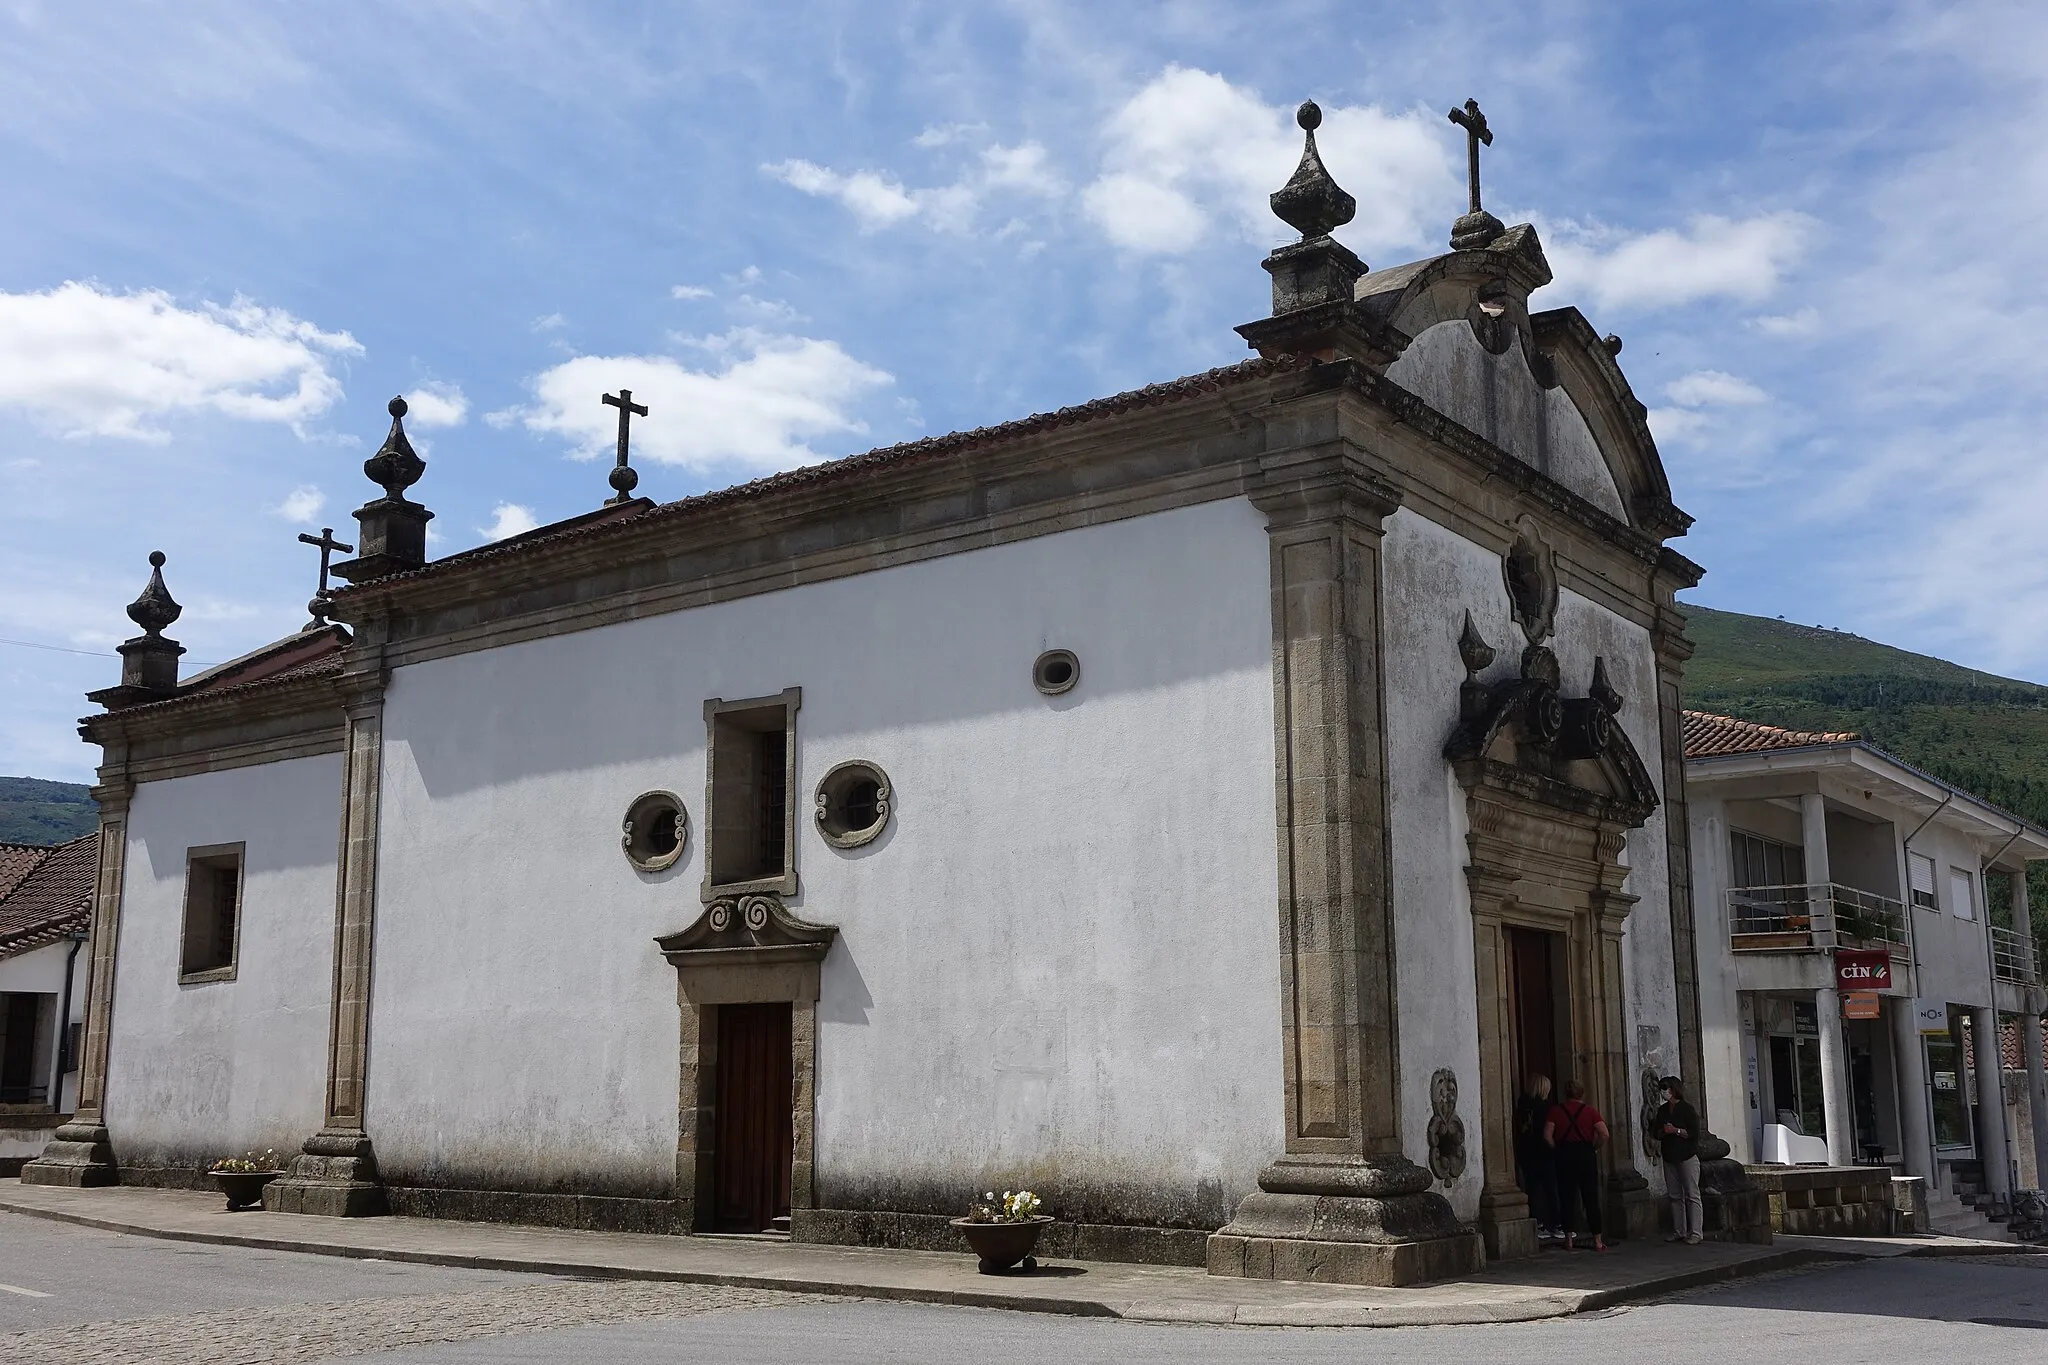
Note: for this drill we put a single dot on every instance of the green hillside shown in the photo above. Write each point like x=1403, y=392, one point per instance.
x=33, y=811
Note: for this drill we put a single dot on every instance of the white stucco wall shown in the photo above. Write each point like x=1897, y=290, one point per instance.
x=41, y=971
x=1497, y=397
x=1058, y=967
x=1432, y=576
x=200, y=1071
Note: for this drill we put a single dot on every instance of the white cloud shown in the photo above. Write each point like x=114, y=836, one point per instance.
x=1805, y=322
x=302, y=504
x=1191, y=155
x=1680, y=426
x=82, y=360
x=433, y=404
x=549, y=323
x=764, y=396
x=1714, y=257
x=876, y=202
x=508, y=519
x=689, y=291
x=1709, y=388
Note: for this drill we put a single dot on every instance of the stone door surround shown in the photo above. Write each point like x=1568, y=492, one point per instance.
x=743, y=950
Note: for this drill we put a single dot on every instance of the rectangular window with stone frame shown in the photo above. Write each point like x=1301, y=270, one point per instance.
x=213, y=913
x=750, y=816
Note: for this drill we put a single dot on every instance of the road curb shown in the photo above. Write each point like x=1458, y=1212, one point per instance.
x=1563, y=1303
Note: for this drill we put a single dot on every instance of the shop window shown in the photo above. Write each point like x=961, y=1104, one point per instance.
x=213, y=913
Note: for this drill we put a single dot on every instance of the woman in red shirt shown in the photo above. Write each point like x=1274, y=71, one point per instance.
x=1577, y=1131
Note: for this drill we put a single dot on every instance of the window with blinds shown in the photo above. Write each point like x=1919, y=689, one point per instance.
x=1920, y=870
x=1962, y=893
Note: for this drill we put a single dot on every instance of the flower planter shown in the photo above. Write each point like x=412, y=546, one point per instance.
x=243, y=1188
x=1002, y=1245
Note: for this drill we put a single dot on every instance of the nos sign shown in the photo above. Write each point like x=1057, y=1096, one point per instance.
x=1863, y=969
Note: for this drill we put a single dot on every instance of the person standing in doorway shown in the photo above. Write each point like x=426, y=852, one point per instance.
x=1535, y=1162
x=1576, y=1131
x=1677, y=1126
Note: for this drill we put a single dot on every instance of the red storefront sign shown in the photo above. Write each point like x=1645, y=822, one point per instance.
x=1863, y=969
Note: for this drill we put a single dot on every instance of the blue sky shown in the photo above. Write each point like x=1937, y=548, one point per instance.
x=232, y=231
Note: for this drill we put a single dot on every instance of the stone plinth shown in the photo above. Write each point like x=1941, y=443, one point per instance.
x=80, y=1155
x=1827, y=1201
x=1375, y=1223
x=1733, y=1207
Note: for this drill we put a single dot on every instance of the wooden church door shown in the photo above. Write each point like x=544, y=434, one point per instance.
x=753, y=1118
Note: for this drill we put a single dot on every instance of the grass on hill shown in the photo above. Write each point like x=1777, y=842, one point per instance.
x=35, y=811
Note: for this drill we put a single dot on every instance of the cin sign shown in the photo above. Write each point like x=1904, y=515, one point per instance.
x=1863, y=969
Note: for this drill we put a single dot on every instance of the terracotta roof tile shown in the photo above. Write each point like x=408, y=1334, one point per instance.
x=54, y=899
x=1711, y=736
x=17, y=861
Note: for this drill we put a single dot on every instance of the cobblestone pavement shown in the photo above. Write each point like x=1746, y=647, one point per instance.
x=291, y=1334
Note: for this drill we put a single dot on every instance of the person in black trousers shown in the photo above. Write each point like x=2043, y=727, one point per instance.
x=1535, y=1163
x=1576, y=1132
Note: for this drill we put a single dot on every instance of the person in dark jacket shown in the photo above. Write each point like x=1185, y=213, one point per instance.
x=1535, y=1163
x=1677, y=1126
x=1575, y=1130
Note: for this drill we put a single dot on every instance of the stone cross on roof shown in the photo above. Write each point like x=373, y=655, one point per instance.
x=623, y=479
x=328, y=545
x=1477, y=228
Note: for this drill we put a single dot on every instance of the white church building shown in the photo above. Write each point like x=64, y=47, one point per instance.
x=1203, y=806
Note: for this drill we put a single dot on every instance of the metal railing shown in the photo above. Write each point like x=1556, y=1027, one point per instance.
x=1814, y=919
x=2012, y=957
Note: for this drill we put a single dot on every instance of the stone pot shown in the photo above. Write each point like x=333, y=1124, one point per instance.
x=1002, y=1245
x=243, y=1188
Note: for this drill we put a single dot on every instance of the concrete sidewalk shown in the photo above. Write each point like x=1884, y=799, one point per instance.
x=1555, y=1285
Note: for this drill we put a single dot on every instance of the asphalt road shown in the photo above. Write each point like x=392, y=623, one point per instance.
x=110, y=1298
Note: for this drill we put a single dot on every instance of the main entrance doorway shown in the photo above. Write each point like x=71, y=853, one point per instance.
x=1539, y=1007
x=752, y=1117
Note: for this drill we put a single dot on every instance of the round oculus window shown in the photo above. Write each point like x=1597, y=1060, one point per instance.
x=1056, y=671
x=655, y=831
x=853, y=802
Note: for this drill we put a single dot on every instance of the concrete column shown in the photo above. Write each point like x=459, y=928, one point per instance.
x=1834, y=1078
x=1992, y=1149
x=1813, y=837
x=1909, y=1070
x=2030, y=1034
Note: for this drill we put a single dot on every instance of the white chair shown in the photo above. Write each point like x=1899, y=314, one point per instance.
x=1785, y=1147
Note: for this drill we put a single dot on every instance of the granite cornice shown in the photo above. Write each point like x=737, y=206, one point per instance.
x=1199, y=449
x=1586, y=367
x=236, y=727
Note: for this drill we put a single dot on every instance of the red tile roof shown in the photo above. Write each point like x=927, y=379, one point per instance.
x=17, y=861
x=1711, y=736
x=54, y=899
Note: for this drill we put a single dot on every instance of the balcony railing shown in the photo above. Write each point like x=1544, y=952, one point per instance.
x=1814, y=919
x=2012, y=957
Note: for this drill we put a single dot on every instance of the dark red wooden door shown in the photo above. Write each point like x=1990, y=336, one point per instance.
x=1533, y=1006
x=750, y=1164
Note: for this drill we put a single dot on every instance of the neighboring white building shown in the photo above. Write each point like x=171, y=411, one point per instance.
x=1157, y=804
x=1804, y=844
x=45, y=900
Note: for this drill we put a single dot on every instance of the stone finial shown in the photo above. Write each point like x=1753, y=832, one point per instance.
x=1473, y=649
x=1311, y=202
x=396, y=466
x=394, y=531
x=154, y=609
x=149, y=662
x=1602, y=691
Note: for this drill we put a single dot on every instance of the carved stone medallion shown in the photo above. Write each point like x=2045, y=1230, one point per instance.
x=1530, y=571
x=1446, y=1129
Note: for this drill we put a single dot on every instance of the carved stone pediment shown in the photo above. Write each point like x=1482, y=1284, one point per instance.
x=1522, y=735
x=753, y=930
